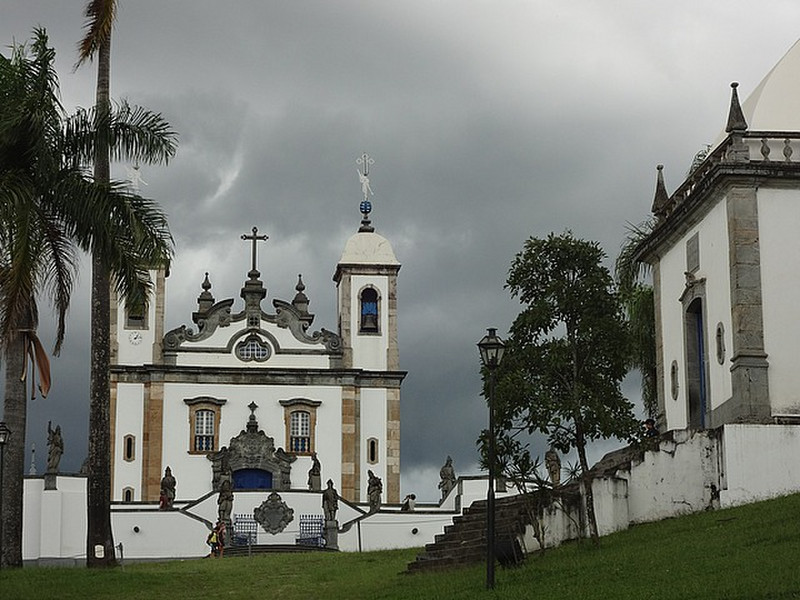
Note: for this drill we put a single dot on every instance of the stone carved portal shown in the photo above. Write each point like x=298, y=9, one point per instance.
x=273, y=514
x=249, y=454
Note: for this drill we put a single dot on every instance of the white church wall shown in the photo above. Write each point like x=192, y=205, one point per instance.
x=715, y=267
x=129, y=411
x=675, y=479
x=610, y=504
x=373, y=425
x=672, y=267
x=758, y=462
x=193, y=471
x=713, y=250
x=779, y=222
x=369, y=351
x=54, y=520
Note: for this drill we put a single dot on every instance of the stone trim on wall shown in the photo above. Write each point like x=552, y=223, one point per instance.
x=351, y=432
x=263, y=376
x=152, y=440
x=750, y=400
x=393, y=445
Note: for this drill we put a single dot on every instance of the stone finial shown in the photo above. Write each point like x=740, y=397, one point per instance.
x=301, y=303
x=736, y=120
x=661, y=199
x=205, y=300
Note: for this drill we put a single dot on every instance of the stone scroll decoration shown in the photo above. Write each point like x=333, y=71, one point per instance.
x=274, y=514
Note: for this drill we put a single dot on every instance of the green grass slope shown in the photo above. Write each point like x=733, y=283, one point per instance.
x=750, y=552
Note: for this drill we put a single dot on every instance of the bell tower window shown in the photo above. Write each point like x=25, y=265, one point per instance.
x=369, y=311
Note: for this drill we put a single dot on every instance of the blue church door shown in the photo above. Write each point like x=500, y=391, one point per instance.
x=252, y=479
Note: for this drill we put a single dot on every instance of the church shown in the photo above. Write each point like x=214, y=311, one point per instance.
x=251, y=391
x=723, y=253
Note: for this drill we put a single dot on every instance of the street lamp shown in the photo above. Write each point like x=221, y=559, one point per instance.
x=5, y=432
x=491, y=348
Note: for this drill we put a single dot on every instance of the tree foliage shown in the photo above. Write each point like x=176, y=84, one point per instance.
x=50, y=208
x=639, y=303
x=567, y=351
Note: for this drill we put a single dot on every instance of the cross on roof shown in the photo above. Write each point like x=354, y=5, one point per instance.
x=254, y=238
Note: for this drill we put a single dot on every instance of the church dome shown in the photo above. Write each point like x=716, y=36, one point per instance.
x=773, y=105
x=367, y=247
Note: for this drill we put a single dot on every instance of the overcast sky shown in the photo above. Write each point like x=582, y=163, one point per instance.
x=489, y=122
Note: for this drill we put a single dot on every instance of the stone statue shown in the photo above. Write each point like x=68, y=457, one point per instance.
x=167, y=490
x=366, y=189
x=225, y=502
x=552, y=463
x=374, y=491
x=330, y=502
x=314, y=474
x=55, y=447
x=447, y=476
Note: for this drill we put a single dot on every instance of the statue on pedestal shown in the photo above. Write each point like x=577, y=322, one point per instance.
x=552, y=463
x=315, y=474
x=55, y=447
x=447, y=476
x=167, y=490
x=374, y=491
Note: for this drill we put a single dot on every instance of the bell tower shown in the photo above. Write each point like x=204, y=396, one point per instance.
x=366, y=281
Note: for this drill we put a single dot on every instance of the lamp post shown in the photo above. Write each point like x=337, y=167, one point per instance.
x=4, y=433
x=491, y=348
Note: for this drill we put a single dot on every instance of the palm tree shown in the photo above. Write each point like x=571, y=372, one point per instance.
x=100, y=16
x=50, y=208
x=637, y=297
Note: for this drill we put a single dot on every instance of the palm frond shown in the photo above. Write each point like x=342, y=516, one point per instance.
x=100, y=16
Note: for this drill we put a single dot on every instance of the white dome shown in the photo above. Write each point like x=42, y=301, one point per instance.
x=368, y=248
x=775, y=103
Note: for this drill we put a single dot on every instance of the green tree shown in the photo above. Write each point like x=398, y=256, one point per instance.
x=566, y=356
x=100, y=16
x=50, y=208
x=639, y=303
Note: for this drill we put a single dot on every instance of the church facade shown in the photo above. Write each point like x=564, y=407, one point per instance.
x=724, y=250
x=251, y=393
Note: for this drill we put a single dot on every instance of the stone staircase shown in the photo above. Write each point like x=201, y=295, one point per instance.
x=464, y=542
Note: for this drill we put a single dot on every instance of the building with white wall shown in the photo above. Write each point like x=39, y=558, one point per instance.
x=723, y=251
x=248, y=391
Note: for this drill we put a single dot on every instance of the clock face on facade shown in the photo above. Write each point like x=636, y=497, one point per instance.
x=135, y=337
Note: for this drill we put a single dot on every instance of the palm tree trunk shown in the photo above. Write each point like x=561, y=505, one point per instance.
x=99, y=534
x=15, y=409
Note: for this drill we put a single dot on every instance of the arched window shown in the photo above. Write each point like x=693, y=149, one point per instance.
x=127, y=494
x=372, y=450
x=369, y=311
x=129, y=448
x=252, y=348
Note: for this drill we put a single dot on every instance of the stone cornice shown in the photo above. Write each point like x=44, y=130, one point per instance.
x=256, y=376
x=696, y=200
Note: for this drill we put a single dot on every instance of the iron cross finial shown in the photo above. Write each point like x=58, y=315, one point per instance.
x=255, y=238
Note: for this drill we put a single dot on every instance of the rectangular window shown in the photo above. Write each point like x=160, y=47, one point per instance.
x=204, y=431
x=300, y=432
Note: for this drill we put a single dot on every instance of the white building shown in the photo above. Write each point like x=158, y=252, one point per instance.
x=724, y=253
x=249, y=392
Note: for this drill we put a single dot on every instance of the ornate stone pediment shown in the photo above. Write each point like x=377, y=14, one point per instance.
x=253, y=449
x=273, y=514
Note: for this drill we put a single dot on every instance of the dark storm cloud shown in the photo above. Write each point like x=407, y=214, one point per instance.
x=488, y=122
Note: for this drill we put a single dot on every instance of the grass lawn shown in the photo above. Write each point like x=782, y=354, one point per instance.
x=750, y=552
